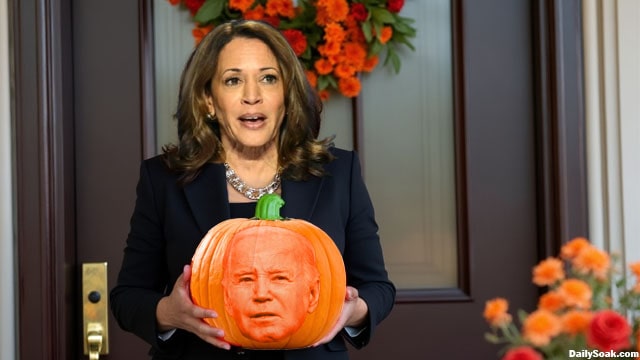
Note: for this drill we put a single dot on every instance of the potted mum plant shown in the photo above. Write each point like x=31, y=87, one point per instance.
x=590, y=310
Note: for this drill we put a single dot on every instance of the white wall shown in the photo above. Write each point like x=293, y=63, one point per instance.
x=7, y=281
x=612, y=91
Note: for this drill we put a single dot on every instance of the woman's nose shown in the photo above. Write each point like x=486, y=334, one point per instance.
x=252, y=94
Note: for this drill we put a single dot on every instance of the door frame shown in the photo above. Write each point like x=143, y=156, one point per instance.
x=43, y=123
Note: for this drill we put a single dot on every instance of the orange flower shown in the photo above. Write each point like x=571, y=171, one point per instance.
x=594, y=260
x=312, y=77
x=548, y=271
x=330, y=48
x=280, y=7
x=551, y=301
x=349, y=87
x=635, y=269
x=575, y=321
x=370, y=64
x=334, y=32
x=540, y=326
x=571, y=249
x=385, y=35
x=336, y=10
x=355, y=54
x=344, y=70
x=200, y=32
x=324, y=94
x=257, y=13
x=296, y=39
x=495, y=312
x=174, y=2
x=323, y=66
x=576, y=293
x=241, y=5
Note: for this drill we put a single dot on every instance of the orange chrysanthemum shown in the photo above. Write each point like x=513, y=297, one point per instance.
x=324, y=94
x=575, y=321
x=548, y=272
x=540, y=326
x=297, y=40
x=329, y=49
x=200, y=32
x=336, y=10
x=283, y=8
x=370, y=64
x=240, y=5
x=635, y=269
x=495, y=312
x=592, y=260
x=344, y=70
x=385, y=35
x=257, y=13
x=334, y=32
x=571, y=249
x=576, y=293
x=349, y=87
x=312, y=77
x=355, y=54
x=551, y=301
x=323, y=66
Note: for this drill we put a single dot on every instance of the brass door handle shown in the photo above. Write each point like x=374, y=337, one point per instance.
x=95, y=307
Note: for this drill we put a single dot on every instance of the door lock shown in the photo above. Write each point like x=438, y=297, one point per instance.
x=95, y=307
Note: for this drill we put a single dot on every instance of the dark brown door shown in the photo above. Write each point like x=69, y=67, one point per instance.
x=506, y=179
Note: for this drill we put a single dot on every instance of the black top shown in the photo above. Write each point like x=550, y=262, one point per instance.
x=242, y=210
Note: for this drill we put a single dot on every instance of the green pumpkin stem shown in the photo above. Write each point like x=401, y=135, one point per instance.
x=268, y=207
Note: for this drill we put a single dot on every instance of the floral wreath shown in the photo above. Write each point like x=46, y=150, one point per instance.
x=336, y=40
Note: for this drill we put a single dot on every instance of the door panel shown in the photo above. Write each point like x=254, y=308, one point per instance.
x=109, y=147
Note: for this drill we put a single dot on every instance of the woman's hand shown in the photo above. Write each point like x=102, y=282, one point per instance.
x=178, y=311
x=354, y=313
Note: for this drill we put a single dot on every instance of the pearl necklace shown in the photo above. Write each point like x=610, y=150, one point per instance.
x=252, y=193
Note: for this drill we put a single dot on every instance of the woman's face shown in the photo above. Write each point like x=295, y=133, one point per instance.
x=247, y=96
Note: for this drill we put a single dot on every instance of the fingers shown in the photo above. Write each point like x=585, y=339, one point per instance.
x=351, y=294
x=186, y=273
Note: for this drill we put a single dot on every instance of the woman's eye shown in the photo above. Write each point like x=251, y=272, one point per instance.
x=232, y=81
x=270, y=79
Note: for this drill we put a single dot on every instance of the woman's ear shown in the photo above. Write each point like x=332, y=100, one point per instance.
x=210, y=107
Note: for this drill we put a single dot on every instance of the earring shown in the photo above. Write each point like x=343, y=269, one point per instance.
x=211, y=117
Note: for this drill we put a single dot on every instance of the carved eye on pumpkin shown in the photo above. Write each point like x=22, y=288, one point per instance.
x=275, y=283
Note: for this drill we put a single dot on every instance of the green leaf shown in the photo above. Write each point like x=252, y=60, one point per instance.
x=326, y=81
x=375, y=48
x=394, y=58
x=378, y=26
x=366, y=29
x=209, y=11
x=492, y=338
x=383, y=16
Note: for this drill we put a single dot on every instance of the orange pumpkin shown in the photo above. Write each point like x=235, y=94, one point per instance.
x=275, y=283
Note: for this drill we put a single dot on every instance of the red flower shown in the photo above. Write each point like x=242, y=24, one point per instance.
x=608, y=330
x=359, y=12
x=395, y=5
x=193, y=5
x=296, y=39
x=522, y=353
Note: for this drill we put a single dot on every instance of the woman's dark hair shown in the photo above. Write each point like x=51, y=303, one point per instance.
x=300, y=153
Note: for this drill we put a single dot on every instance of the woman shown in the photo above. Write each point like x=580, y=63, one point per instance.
x=247, y=125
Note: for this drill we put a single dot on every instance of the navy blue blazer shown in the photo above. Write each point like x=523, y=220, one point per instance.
x=169, y=220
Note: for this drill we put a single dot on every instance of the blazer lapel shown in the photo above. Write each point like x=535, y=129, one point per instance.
x=207, y=197
x=300, y=197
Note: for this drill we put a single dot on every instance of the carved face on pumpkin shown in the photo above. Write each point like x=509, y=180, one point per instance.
x=271, y=282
